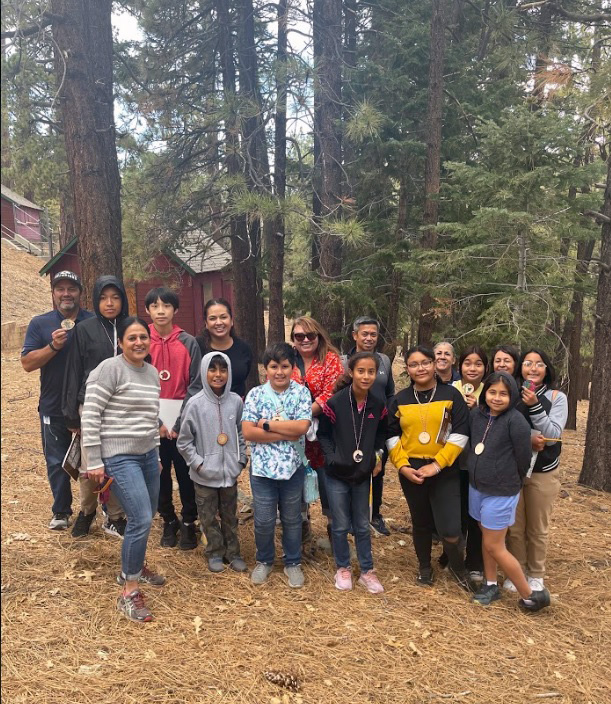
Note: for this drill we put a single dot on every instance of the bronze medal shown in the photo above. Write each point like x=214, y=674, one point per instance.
x=357, y=455
x=222, y=438
x=164, y=375
x=468, y=389
x=479, y=448
x=67, y=324
x=424, y=438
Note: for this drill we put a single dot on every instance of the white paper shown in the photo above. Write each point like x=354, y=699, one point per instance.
x=169, y=410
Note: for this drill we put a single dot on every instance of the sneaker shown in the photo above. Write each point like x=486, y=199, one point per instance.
x=132, y=607
x=147, y=576
x=509, y=586
x=486, y=594
x=343, y=579
x=60, y=521
x=215, y=564
x=168, y=538
x=536, y=583
x=238, y=565
x=462, y=579
x=261, y=573
x=536, y=601
x=378, y=526
x=425, y=577
x=295, y=575
x=443, y=561
x=370, y=581
x=115, y=528
x=188, y=536
x=82, y=525
x=476, y=576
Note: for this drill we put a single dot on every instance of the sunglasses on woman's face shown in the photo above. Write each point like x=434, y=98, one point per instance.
x=301, y=336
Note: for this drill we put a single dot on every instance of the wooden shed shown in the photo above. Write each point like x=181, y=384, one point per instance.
x=22, y=223
x=196, y=271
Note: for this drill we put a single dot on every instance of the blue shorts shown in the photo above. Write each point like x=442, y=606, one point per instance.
x=493, y=512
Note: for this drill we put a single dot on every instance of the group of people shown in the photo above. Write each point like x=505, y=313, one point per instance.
x=476, y=447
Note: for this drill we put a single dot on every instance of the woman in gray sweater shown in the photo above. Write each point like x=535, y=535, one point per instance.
x=120, y=426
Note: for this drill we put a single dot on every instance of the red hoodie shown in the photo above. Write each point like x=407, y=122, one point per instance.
x=178, y=354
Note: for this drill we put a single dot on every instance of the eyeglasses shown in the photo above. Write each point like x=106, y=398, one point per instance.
x=424, y=365
x=106, y=486
x=537, y=365
x=301, y=336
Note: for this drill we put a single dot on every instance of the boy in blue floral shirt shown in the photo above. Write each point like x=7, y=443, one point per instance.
x=275, y=419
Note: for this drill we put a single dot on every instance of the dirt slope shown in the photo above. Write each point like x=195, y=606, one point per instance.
x=24, y=293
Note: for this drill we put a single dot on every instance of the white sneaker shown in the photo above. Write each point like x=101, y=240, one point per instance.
x=536, y=583
x=60, y=521
x=509, y=586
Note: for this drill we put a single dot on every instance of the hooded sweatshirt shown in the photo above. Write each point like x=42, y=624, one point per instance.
x=502, y=466
x=95, y=340
x=178, y=354
x=204, y=417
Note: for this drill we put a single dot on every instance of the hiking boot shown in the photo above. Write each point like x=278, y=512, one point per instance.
x=536, y=601
x=215, y=564
x=238, y=565
x=462, y=579
x=370, y=581
x=188, y=536
x=146, y=577
x=132, y=607
x=378, y=526
x=60, y=521
x=261, y=573
x=486, y=594
x=509, y=586
x=115, y=528
x=168, y=538
x=343, y=579
x=425, y=577
x=295, y=575
x=82, y=525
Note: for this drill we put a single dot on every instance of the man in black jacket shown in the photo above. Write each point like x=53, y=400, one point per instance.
x=94, y=341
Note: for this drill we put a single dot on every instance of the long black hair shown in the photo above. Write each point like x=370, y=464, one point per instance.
x=474, y=349
x=204, y=335
x=424, y=350
x=345, y=379
x=550, y=373
x=493, y=379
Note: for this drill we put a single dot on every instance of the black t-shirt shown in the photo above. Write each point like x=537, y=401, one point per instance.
x=38, y=335
x=241, y=358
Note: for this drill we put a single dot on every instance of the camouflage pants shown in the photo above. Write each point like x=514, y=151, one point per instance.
x=222, y=538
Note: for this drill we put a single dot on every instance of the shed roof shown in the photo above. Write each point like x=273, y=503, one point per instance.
x=202, y=254
x=17, y=199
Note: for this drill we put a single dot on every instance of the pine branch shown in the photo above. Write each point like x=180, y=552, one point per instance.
x=45, y=20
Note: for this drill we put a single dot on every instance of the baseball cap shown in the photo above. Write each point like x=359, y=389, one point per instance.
x=69, y=275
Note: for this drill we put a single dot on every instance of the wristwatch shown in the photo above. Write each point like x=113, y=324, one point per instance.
x=266, y=426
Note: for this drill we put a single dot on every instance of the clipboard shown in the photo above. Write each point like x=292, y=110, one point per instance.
x=169, y=410
x=72, y=461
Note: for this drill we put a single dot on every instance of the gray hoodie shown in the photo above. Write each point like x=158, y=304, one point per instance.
x=502, y=466
x=211, y=464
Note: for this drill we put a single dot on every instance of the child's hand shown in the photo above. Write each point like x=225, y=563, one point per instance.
x=537, y=442
x=412, y=474
x=470, y=400
x=428, y=470
x=164, y=432
x=529, y=397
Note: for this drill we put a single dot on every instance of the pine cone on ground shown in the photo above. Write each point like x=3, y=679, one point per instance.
x=283, y=679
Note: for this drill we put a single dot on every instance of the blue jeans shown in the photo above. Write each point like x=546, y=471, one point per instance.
x=56, y=440
x=349, y=505
x=268, y=495
x=136, y=486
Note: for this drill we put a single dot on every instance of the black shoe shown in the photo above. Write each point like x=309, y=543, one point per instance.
x=115, y=528
x=82, y=525
x=170, y=530
x=188, y=536
x=443, y=560
x=463, y=580
x=486, y=594
x=425, y=577
x=539, y=599
x=378, y=525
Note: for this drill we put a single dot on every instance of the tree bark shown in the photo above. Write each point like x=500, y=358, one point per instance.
x=396, y=276
x=432, y=171
x=84, y=39
x=596, y=470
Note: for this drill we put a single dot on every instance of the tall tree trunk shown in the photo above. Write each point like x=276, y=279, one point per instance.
x=84, y=39
x=276, y=232
x=328, y=67
x=432, y=168
x=596, y=469
x=317, y=30
x=396, y=277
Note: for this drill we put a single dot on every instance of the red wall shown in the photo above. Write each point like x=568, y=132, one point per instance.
x=8, y=219
x=28, y=223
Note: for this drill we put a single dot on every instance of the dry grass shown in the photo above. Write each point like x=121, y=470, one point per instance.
x=24, y=292
x=63, y=641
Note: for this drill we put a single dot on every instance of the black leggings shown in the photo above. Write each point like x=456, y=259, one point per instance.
x=434, y=506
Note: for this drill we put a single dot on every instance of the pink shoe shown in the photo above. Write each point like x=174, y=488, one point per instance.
x=343, y=579
x=371, y=582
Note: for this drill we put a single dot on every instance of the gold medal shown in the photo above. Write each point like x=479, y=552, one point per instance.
x=67, y=324
x=424, y=438
x=479, y=448
x=357, y=455
x=468, y=389
x=164, y=375
x=222, y=438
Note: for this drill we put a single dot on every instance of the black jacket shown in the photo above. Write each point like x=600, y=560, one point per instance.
x=336, y=435
x=502, y=466
x=93, y=342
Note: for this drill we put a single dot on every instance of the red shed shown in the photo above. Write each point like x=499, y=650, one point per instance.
x=197, y=272
x=21, y=222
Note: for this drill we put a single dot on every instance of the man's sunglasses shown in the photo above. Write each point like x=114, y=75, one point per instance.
x=301, y=336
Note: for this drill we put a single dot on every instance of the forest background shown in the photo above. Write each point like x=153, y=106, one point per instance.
x=439, y=164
